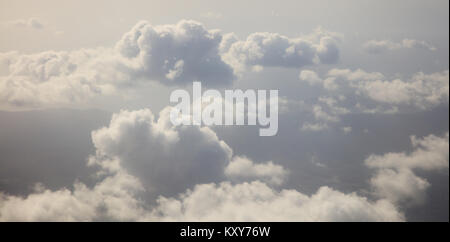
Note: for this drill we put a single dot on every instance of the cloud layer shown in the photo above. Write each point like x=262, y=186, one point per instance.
x=138, y=155
x=173, y=55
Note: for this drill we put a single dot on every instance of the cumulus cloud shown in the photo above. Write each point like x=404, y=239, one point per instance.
x=114, y=198
x=312, y=78
x=242, y=168
x=258, y=202
x=423, y=90
x=380, y=46
x=139, y=158
x=275, y=50
x=326, y=111
x=138, y=154
x=175, y=54
x=53, y=78
x=187, y=47
x=169, y=54
x=163, y=156
x=395, y=178
x=420, y=91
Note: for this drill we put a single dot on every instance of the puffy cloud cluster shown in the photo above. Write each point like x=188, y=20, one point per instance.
x=242, y=168
x=166, y=158
x=395, y=178
x=54, y=77
x=421, y=90
x=114, y=198
x=358, y=91
x=139, y=154
x=170, y=54
x=258, y=202
x=175, y=54
x=138, y=157
x=275, y=50
x=380, y=46
x=326, y=111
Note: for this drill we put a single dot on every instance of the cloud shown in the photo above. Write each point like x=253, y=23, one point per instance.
x=242, y=168
x=169, y=54
x=32, y=23
x=111, y=199
x=430, y=153
x=258, y=202
x=156, y=51
x=139, y=158
x=395, y=178
x=400, y=186
x=356, y=75
x=380, y=46
x=163, y=156
x=140, y=155
x=173, y=55
x=55, y=78
x=422, y=90
x=275, y=50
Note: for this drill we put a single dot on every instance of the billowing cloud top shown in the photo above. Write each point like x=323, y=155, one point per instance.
x=168, y=54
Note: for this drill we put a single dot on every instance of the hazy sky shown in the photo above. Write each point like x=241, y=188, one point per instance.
x=363, y=133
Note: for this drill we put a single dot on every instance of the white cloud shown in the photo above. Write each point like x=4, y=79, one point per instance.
x=400, y=186
x=170, y=54
x=163, y=156
x=243, y=169
x=430, y=153
x=395, y=178
x=275, y=50
x=111, y=199
x=257, y=202
x=421, y=90
x=138, y=154
x=380, y=46
x=313, y=79
x=157, y=50
x=356, y=75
